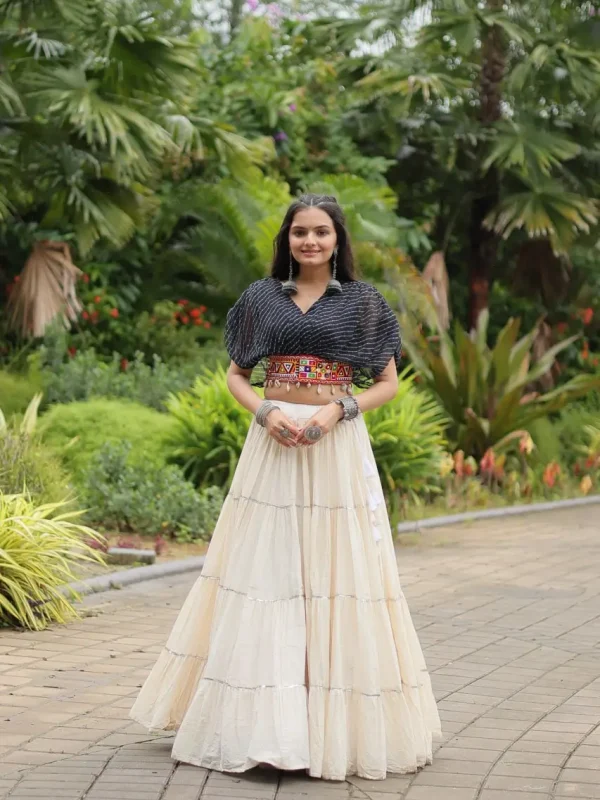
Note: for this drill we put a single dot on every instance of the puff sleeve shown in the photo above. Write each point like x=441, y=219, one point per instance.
x=378, y=338
x=241, y=331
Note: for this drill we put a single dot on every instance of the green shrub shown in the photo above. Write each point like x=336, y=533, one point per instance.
x=77, y=431
x=545, y=435
x=138, y=497
x=16, y=391
x=408, y=441
x=24, y=462
x=210, y=430
x=38, y=550
x=85, y=376
x=571, y=430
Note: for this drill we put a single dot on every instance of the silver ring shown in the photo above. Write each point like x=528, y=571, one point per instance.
x=313, y=433
x=285, y=432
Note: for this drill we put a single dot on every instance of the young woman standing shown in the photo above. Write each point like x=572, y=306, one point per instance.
x=295, y=648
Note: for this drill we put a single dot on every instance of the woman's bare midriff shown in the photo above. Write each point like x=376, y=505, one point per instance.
x=304, y=394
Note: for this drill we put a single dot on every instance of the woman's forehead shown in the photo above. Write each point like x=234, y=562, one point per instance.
x=312, y=218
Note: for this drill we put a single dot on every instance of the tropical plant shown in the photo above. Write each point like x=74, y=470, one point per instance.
x=489, y=393
x=40, y=547
x=210, y=430
x=16, y=392
x=490, y=109
x=408, y=440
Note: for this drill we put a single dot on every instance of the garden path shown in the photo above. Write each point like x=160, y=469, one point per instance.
x=509, y=617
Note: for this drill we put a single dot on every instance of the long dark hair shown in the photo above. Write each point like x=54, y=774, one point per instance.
x=281, y=257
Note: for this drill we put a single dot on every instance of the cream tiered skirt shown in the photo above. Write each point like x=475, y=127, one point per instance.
x=295, y=646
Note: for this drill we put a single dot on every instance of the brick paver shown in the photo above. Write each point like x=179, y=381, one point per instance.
x=509, y=618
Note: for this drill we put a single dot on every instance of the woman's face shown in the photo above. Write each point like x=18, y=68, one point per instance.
x=312, y=237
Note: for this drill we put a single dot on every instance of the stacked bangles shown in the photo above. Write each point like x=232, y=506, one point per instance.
x=264, y=410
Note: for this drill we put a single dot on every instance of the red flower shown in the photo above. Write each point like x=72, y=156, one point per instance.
x=198, y=322
x=114, y=312
x=207, y=324
x=488, y=461
x=182, y=302
x=71, y=351
x=561, y=327
x=94, y=316
x=195, y=313
x=595, y=362
x=124, y=364
x=587, y=315
x=85, y=277
x=85, y=315
x=589, y=462
x=202, y=309
x=185, y=319
x=97, y=299
x=551, y=473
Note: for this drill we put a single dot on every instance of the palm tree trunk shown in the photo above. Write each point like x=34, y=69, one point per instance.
x=484, y=243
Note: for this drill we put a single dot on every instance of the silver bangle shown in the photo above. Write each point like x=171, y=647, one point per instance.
x=350, y=406
x=263, y=411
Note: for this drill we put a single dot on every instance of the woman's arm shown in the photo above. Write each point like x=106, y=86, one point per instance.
x=383, y=390
x=238, y=383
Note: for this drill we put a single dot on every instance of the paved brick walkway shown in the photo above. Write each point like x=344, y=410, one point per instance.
x=508, y=614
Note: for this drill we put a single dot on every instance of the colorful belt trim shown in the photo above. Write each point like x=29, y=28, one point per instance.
x=306, y=370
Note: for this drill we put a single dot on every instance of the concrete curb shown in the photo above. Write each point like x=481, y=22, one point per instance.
x=415, y=526
x=127, y=577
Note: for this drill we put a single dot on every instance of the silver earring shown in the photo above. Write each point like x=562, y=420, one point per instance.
x=290, y=287
x=334, y=286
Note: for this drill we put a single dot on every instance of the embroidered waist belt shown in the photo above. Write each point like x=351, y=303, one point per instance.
x=306, y=370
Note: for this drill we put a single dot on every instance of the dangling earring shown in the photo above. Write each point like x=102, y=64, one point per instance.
x=334, y=286
x=290, y=287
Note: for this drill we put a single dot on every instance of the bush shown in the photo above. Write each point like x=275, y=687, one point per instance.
x=407, y=436
x=38, y=550
x=25, y=462
x=77, y=431
x=85, y=376
x=571, y=430
x=133, y=496
x=545, y=435
x=16, y=391
x=210, y=430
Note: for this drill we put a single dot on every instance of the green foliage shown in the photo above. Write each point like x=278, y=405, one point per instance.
x=407, y=436
x=85, y=376
x=572, y=430
x=25, y=463
x=546, y=437
x=210, y=430
x=77, y=431
x=16, y=391
x=487, y=392
x=125, y=494
x=39, y=547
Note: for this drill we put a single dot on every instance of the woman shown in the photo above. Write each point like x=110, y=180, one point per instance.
x=295, y=648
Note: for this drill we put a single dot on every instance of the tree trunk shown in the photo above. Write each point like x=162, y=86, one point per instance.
x=235, y=16
x=483, y=242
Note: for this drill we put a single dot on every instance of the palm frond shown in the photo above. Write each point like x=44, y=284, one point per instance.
x=75, y=12
x=545, y=209
x=529, y=148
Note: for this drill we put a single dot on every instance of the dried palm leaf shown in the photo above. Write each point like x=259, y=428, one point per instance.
x=46, y=290
x=436, y=276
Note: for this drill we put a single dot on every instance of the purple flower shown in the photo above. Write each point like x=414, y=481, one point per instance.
x=292, y=107
x=274, y=10
x=281, y=136
x=252, y=4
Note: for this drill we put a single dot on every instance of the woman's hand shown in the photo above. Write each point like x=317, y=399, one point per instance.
x=326, y=419
x=277, y=423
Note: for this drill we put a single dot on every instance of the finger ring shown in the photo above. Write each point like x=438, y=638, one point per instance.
x=313, y=433
x=286, y=433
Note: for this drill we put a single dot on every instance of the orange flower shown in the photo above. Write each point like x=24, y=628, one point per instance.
x=185, y=319
x=195, y=313
x=207, y=324
x=97, y=299
x=459, y=463
x=488, y=461
x=526, y=444
x=114, y=312
x=587, y=314
x=551, y=473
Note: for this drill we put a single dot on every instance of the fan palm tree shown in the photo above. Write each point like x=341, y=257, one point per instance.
x=95, y=103
x=503, y=96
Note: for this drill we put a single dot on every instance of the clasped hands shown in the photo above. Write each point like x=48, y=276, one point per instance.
x=277, y=424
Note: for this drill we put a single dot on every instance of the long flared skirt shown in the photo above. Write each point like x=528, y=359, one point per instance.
x=295, y=646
